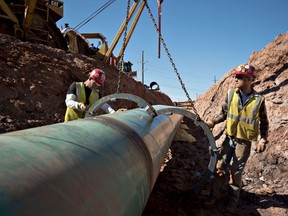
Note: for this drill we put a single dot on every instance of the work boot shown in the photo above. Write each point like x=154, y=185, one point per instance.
x=230, y=208
x=211, y=202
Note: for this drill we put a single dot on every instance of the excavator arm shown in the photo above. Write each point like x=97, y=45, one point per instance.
x=122, y=28
x=29, y=14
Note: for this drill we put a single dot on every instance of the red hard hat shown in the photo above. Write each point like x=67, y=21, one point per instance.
x=245, y=69
x=98, y=76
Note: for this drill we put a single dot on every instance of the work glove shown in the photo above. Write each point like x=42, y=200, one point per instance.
x=261, y=146
x=82, y=106
x=210, y=124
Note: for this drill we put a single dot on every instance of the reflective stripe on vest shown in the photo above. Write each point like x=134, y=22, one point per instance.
x=72, y=114
x=244, y=123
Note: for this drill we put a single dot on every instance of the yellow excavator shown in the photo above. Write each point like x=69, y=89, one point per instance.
x=35, y=21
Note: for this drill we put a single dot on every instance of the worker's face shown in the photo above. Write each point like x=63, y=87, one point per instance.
x=92, y=84
x=242, y=81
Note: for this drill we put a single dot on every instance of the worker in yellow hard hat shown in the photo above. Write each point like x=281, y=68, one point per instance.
x=81, y=95
x=246, y=118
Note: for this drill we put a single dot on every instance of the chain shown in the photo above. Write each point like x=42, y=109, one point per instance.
x=172, y=62
x=121, y=62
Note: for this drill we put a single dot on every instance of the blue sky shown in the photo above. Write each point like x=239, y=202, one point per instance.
x=206, y=39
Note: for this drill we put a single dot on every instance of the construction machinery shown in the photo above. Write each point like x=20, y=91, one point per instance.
x=78, y=42
x=33, y=20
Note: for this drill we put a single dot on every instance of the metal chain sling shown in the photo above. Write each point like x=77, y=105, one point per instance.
x=172, y=62
x=121, y=62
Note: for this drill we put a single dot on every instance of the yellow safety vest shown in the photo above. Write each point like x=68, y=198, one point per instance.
x=72, y=114
x=244, y=123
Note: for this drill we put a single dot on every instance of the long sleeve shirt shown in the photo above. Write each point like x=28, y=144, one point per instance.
x=71, y=99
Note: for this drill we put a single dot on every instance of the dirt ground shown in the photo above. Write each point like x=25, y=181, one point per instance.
x=176, y=191
x=33, y=84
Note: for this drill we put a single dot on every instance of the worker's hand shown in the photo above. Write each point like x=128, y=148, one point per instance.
x=210, y=123
x=220, y=172
x=82, y=106
x=261, y=146
x=219, y=167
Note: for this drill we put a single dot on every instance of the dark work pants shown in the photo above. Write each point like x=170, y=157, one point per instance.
x=233, y=157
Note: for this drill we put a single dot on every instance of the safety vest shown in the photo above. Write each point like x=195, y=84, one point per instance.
x=243, y=123
x=72, y=114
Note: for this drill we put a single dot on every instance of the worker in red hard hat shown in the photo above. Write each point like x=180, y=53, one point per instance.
x=81, y=95
x=246, y=120
x=246, y=70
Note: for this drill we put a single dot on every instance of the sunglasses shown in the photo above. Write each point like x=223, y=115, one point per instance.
x=239, y=77
x=242, y=77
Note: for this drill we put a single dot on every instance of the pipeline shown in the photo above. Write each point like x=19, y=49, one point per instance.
x=103, y=165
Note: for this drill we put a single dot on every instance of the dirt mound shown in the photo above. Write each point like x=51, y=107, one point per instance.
x=33, y=83
x=34, y=80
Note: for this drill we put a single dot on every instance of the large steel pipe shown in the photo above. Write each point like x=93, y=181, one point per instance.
x=105, y=165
